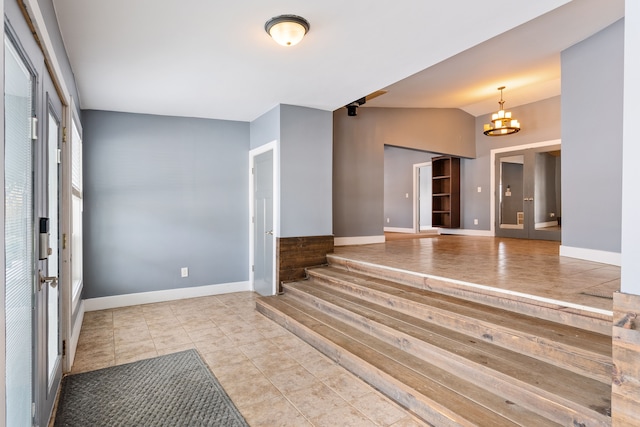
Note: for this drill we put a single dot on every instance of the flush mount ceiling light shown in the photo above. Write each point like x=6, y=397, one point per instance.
x=501, y=122
x=287, y=30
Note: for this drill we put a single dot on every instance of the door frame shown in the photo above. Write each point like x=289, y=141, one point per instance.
x=416, y=196
x=271, y=146
x=492, y=160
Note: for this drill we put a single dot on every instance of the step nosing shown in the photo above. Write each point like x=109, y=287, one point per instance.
x=486, y=322
x=573, y=409
x=458, y=359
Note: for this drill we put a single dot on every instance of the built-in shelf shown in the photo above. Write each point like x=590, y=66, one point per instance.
x=445, y=189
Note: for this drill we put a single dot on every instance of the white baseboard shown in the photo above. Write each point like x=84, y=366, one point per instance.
x=546, y=224
x=360, y=240
x=115, y=301
x=75, y=336
x=399, y=230
x=604, y=257
x=428, y=228
x=466, y=232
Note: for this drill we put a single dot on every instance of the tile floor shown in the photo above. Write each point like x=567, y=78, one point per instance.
x=274, y=378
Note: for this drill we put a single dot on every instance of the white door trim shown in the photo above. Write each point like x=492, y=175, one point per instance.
x=273, y=145
x=416, y=195
x=492, y=160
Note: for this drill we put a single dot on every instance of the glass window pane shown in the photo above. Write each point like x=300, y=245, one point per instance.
x=76, y=245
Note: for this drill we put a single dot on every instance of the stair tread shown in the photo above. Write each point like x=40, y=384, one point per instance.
x=430, y=381
x=580, y=338
x=554, y=380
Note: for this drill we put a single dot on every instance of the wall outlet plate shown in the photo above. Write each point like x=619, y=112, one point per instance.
x=184, y=272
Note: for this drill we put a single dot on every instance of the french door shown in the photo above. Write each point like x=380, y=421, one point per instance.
x=48, y=343
x=33, y=114
x=19, y=110
x=528, y=193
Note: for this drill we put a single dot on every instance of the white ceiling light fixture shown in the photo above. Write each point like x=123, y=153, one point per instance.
x=287, y=30
x=501, y=122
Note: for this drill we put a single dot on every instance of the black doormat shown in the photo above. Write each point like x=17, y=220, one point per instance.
x=173, y=390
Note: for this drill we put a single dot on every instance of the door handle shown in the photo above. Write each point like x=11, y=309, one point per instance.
x=51, y=280
x=270, y=232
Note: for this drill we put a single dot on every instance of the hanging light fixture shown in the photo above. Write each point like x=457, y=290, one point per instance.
x=287, y=30
x=501, y=122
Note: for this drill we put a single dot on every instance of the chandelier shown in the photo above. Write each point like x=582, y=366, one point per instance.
x=501, y=122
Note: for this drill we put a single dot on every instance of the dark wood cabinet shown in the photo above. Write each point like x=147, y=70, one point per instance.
x=445, y=188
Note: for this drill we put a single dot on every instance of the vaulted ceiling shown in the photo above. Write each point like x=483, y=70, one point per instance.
x=213, y=59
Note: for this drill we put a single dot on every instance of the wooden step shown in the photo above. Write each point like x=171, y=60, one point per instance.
x=580, y=351
x=551, y=391
x=587, y=318
x=431, y=393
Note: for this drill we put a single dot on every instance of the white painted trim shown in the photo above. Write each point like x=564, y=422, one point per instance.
x=428, y=228
x=116, y=301
x=49, y=52
x=604, y=257
x=492, y=168
x=546, y=224
x=416, y=197
x=72, y=345
x=399, y=230
x=466, y=232
x=489, y=288
x=273, y=145
x=358, y=240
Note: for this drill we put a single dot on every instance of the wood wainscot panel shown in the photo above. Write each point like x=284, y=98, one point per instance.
x=295, y=254
x=625, y=390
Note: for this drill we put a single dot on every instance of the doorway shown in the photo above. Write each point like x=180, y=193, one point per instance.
x=33, y=131
x=422, y=197
x=264, y=223
x=528, y=193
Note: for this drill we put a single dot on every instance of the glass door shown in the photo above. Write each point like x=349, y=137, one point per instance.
x=19, y=235
x=48, y=338
x=528, y=194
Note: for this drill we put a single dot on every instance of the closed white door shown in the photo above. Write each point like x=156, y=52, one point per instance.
x=263, y=229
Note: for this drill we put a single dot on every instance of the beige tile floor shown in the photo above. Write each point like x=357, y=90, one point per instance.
x=273, y=377
x=529, y=266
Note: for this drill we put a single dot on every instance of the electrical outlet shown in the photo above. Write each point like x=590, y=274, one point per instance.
x=552, y=215
x=184, y=272
x=406, y=195
x=387, y=220
x=475, y=222
x=479, y=189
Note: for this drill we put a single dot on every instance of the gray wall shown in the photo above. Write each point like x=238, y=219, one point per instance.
x=265, y=128
x=305, y=171
x=358, y=158
x=163, y=193
x=398, y=181
x=540, y=122
x=592, y=100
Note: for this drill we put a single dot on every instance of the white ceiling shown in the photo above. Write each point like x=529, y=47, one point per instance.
x=213, y=59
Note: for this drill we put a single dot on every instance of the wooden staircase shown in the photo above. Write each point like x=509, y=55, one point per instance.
x=453, y=361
